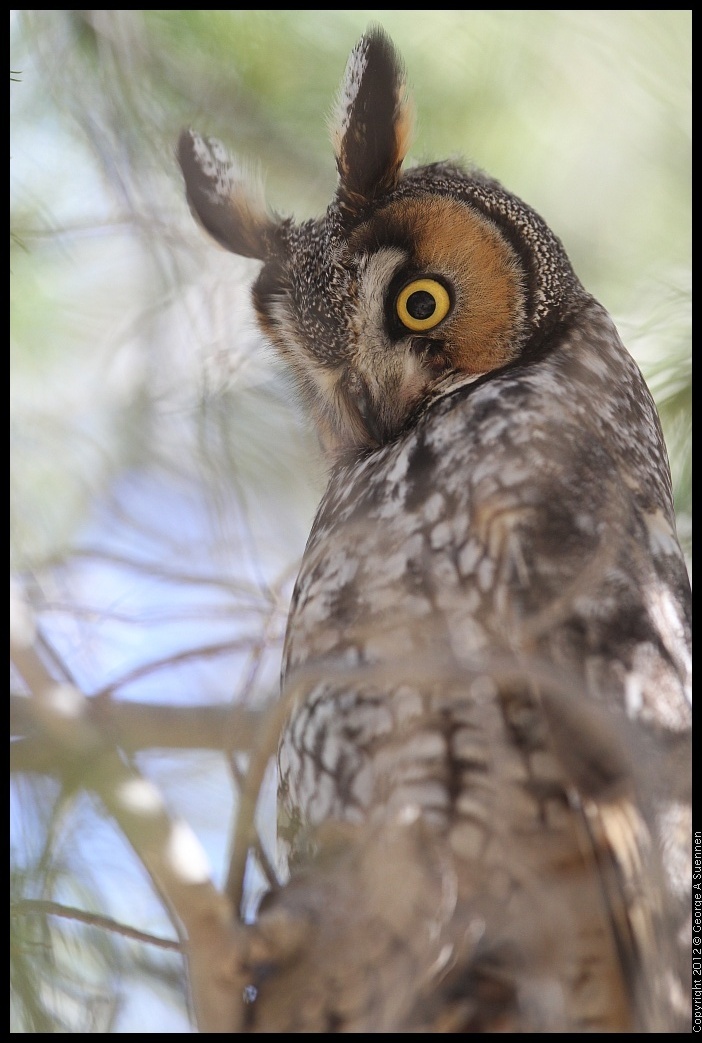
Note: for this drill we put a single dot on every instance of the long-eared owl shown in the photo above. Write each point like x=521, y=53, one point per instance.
x=483, y=771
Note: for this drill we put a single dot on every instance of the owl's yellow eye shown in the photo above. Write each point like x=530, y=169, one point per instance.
x=422, y=304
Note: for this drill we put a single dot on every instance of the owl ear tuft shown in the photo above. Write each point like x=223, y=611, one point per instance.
x=228, y=204
x=372, y=124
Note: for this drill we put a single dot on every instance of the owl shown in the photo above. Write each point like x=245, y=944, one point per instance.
x=483, y=771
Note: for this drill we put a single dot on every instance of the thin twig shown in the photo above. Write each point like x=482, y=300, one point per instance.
x=43, y=907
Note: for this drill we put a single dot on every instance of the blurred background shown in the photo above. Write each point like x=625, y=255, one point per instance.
x=163, y=478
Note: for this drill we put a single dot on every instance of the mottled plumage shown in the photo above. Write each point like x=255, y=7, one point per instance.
x=482, y=779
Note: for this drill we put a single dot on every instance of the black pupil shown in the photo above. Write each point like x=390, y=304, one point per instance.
x=421, y=304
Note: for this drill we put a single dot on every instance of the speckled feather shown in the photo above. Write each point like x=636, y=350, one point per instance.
x=487, y=658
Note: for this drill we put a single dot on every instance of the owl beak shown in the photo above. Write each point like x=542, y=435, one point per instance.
x=368, y=414
x=378, y=409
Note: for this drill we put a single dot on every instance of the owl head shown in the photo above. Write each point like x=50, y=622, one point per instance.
x=412, y=280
